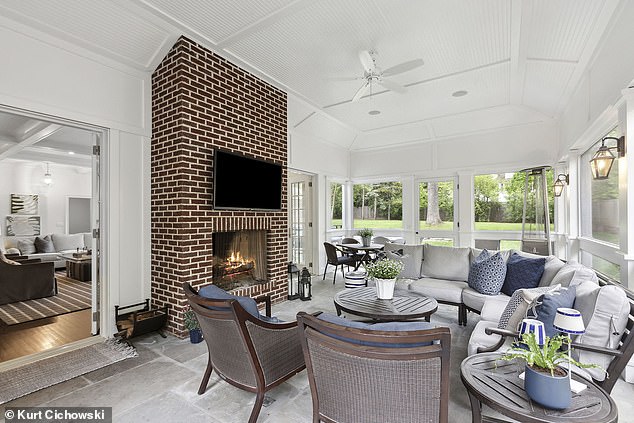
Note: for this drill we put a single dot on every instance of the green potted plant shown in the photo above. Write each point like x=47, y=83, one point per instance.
x=191, y=323
x=366, y=236
x=384, y=273
x=545, y=381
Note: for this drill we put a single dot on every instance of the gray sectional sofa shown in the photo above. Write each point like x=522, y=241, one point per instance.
x=443, y=272
x=62, y=243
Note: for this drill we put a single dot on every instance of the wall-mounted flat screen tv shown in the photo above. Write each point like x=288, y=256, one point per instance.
x=243, y=183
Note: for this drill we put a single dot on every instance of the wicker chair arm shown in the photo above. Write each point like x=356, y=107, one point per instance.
x=265, y=299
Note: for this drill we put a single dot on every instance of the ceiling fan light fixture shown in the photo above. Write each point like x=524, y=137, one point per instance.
x=460, y=93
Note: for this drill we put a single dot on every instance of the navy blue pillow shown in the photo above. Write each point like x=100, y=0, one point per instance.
x=522, y=272
x=550, y=302
x=487, y=273
x=386, y=326
x=216, y=293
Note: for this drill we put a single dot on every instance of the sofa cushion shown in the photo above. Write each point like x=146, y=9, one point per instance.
x=605, y=314
x=451, y=263
x=493, y=307
x=487, y=273
x=573, y=270
x=522, y=273
x=474, y=300
x=386, y=326
x=551, y=267
x=475, y=252
x=64, y=242
x=26, y=246
x=439, y=289
x=518, y=306
x=44, y=244
x=411, y=257
x=547, y=306
x=479, y=338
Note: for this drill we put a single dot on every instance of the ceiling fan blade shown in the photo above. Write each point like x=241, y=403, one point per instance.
x=366, y=61
x=344, y=78
x=393, y=86
x=360, y=92
x=403, y=67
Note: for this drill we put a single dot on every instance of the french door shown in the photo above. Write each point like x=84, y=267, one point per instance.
x=300, y=219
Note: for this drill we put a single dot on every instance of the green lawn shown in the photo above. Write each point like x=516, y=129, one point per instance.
x=444, y=226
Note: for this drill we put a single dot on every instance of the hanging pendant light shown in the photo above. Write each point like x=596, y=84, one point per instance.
x=48, y=179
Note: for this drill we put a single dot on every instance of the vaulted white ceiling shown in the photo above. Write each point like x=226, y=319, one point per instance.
x=518, y=60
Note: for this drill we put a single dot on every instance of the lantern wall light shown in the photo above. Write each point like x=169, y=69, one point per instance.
x=560, y=183
x=602, y=161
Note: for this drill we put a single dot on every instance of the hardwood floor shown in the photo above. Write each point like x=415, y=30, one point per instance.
x=40, y=335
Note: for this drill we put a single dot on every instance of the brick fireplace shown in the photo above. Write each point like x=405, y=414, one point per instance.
x=201, y=102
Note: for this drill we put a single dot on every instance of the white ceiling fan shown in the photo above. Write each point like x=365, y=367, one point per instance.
x=373, y=74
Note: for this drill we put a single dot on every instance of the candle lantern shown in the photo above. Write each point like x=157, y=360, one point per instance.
x=304, y=286
x=292, y=269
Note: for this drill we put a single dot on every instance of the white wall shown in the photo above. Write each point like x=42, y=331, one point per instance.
x=21, y=177
x=47, y=76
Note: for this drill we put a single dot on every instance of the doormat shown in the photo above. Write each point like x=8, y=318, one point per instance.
x=72, y=295
x=41, y=374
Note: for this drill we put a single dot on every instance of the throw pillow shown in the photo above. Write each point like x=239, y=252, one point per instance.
x=517, y=307
x=546, y=307
x=487, y=273
x=386, y=326
x=44, y=245
x=26, y=247
x=573, y=270
x=522, y=273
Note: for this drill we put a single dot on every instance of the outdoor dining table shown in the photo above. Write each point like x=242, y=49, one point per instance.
x=367, y=252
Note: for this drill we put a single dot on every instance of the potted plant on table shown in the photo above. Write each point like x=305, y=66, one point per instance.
x=366, y=236
x=191, y=323
x=545, y=382
x=384, y=273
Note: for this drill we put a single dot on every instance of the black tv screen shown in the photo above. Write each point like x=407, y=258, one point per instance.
x=241, y=182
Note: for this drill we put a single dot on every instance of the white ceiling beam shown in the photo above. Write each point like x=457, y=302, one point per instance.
x=30, y=140
x=521, y=17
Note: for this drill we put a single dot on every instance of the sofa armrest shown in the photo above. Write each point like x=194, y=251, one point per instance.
x=494, y=307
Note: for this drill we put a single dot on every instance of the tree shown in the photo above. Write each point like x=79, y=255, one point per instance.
x=486, y=192
x=433, y=211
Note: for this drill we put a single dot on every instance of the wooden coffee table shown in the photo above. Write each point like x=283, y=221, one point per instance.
x=405, y=305
x=496, y=383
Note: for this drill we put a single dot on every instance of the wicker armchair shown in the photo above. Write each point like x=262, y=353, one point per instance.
x=245, y=351
x=380, y=382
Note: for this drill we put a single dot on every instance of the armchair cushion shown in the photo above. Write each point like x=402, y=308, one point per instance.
x=522, y=272
x=247, y=303
x=487, y=273
x=386, y=326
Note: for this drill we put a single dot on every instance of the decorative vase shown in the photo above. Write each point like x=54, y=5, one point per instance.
x=195, y=336
x=550, y=392
x=365, y=240
x=385, y=288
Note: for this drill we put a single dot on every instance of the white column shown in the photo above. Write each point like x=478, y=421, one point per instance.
x=410, y=209
x=346, y=207
x=465, y=213
x=573, y=207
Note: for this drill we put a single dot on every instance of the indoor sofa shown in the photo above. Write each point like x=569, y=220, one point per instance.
x=48, y=248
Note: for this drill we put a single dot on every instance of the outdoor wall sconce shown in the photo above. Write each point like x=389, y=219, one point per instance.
x=560, y=183
x=601, y=163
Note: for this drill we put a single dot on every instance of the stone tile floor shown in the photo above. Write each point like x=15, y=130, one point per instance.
x=161, y=384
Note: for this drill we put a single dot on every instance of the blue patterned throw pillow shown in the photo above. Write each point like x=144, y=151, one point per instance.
x=487, y=273
x=522, y=272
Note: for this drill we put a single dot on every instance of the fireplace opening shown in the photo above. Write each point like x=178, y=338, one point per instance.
x=239, y=259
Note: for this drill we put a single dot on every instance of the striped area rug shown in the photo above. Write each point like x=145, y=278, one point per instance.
x=71, y=296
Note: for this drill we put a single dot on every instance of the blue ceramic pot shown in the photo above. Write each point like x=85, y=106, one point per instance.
x=195, y=336
x=546, y=390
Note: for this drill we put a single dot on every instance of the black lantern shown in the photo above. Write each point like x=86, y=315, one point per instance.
x=292, y=269
x=304, y=286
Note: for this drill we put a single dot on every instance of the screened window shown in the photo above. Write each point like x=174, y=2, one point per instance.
x=602, y=265
x=600, y=200
x=378, y=205
x=499, y=201
x=336, y=201
x=436, y=205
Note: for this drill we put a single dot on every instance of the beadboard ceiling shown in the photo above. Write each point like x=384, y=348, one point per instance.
x=518, y=60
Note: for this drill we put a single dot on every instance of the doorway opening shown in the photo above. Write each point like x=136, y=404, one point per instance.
x=50, y=212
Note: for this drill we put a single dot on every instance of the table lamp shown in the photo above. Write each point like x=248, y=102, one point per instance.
x=533, y=326
x=570, y=322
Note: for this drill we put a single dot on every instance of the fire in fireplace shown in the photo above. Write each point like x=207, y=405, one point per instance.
x=239, y=258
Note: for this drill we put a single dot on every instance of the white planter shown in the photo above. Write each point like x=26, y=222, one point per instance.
x=384, y=288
